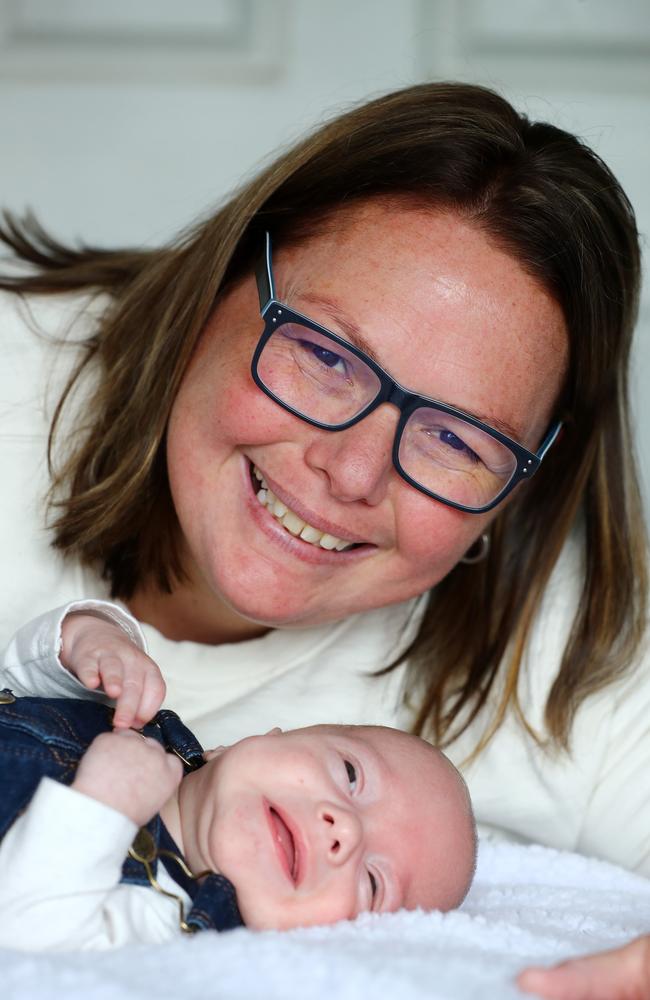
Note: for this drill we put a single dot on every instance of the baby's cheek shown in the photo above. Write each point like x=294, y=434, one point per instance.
x=263, y=903
x=257, y=913
x=328, y=906
x=262, y=910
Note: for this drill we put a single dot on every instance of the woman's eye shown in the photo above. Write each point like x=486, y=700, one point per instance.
x=328, y=358
x=352, y=774
x=323, y=356
x=451, y=439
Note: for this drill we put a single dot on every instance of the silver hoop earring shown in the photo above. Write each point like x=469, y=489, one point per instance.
x=478, y=551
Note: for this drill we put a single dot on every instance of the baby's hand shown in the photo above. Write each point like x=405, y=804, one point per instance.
x=131, y=774
x=99, y=653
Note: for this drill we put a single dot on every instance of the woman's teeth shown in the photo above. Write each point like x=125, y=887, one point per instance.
x=294, y=524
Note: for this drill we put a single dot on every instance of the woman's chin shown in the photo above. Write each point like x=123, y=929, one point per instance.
x=264, y=615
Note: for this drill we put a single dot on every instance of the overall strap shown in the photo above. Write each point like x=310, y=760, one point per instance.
x=178, y=739
x=214, y=901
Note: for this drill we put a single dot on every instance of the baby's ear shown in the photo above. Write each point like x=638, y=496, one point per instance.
x=211, y=754
x=276, y=731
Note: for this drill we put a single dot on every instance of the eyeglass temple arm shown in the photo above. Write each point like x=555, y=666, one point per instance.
x=549, y=439
x=264, y=276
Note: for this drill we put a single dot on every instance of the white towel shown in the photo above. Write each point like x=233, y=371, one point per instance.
x=528, y=904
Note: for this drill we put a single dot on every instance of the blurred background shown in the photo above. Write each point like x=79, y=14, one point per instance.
x=122, y=120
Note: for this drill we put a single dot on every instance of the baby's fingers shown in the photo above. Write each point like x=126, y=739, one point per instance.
x=111, y=671
x=88, y=674
x=141, y=693
x=127, y=703
x=151, y=697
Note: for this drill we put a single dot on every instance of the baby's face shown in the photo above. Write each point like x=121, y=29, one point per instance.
x=318, y=825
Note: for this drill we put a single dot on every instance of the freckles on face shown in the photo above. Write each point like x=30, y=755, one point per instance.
x=430, y=538
x=219, y=417
x=449, y=316
x=216, y=387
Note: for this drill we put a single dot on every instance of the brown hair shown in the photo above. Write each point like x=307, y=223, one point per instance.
x=540, y=194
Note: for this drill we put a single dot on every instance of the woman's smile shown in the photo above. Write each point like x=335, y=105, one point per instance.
x=300, y=522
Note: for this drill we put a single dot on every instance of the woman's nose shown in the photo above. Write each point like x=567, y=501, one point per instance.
x=342, y=832
x=357, y=461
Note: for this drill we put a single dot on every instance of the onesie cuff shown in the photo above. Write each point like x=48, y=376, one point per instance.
x=102, y=609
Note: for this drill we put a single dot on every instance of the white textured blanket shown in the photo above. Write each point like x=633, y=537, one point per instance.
x=527, y=904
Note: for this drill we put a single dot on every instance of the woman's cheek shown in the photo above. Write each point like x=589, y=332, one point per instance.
x=431, y=537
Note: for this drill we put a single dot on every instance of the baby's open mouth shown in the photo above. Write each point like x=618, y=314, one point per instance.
x=292, y=522
x=285, y=839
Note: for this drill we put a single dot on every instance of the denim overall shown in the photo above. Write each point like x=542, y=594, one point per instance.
x=46, y=737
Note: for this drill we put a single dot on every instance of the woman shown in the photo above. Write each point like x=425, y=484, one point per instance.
x=620, y=974
x=301, y=458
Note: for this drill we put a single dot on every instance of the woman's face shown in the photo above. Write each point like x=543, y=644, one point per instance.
x=449, y=316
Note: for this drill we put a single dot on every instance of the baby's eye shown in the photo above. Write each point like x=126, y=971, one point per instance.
x=352, y=774
x=373, y=886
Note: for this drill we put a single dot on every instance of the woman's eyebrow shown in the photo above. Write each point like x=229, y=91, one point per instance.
x=350, y=329
x=352, y=332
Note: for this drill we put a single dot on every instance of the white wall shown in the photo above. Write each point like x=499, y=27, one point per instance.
x=134, y=159
x=119, y=124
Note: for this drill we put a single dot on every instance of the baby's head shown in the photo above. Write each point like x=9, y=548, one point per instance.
x=320, y=824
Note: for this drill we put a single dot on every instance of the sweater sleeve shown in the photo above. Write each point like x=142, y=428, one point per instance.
x=30, y=665
x=60, y=866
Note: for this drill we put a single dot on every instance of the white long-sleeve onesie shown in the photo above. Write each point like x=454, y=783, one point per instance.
x=61, y=860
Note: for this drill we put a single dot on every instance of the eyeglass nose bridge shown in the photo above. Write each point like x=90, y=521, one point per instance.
x=404, y=401
x=399, y=397
x=395, y=394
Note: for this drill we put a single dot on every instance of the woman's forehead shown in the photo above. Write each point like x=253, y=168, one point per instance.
x=411, y=265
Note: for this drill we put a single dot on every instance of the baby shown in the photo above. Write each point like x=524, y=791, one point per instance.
x=282, y=830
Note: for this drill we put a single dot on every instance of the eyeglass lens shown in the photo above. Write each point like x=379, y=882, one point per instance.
x=441, y=452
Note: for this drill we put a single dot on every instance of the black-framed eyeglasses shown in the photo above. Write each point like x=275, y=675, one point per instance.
x=330, y=383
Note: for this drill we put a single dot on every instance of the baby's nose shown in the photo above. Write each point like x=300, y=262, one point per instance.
x=342, y=830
